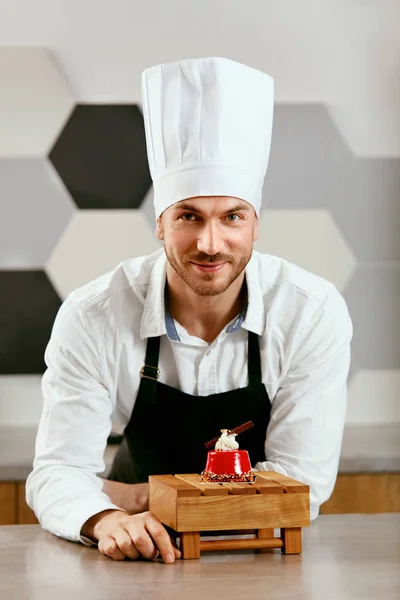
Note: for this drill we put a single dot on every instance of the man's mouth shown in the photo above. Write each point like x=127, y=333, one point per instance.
x=207, y=267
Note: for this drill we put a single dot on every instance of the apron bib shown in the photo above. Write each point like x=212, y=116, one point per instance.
x=168, y=428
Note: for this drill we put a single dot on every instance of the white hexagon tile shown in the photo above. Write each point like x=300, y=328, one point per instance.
x=35, y=101
x=24, y=399
x=310, y=239
x=94, y=243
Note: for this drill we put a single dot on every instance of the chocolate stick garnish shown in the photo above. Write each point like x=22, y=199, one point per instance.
x=237, y=430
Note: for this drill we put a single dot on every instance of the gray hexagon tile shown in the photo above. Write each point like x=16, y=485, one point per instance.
x=94, y=243
x=373, y=298
x=101, y=157
x=147, y=208
x=34, y=210
x=35, y=101
x=308, y=157
x=373, y=397
x=366, y=206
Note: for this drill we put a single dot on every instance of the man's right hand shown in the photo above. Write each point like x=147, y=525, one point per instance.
x=121, y=536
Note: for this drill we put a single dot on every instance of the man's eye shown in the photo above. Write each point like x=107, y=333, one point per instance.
x=188, y=216
x=233, y=218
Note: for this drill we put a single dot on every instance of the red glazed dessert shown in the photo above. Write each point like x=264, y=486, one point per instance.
x=227, y=462
x=228, y=465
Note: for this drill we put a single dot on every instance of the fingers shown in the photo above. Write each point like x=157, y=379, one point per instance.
x=137, y=536
x=108, y=546
x=143, y=542
x=126, y=544
x=160, y=538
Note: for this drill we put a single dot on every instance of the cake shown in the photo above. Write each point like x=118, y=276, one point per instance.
x=226, y=463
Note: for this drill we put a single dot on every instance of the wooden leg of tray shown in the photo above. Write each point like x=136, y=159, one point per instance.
x=265, y=533
x=291, y=538
x=190, y=544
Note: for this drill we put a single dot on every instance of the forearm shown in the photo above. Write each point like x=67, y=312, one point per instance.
x=132, y=498
x=63, y=498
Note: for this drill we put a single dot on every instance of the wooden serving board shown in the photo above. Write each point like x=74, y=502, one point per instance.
x=189, y=506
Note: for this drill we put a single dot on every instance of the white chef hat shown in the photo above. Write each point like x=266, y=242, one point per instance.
x=208, y=125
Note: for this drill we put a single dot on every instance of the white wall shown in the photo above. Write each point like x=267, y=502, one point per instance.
x=344, y=53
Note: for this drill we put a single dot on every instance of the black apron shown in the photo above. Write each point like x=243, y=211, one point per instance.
x=168, y=428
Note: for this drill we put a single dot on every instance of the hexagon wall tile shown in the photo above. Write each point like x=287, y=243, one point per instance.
x=35, y=101
x=96, y=242
x=374, y=397
x=373, y=298
x=366, y=206
x=308, y=238
x=147, y=208
x=101, y=157
x=34, y=210
x=28, y=307
x=24, y=399
x=308, y=156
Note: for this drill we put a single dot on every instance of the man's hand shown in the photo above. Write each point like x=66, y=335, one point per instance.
x=123, y=536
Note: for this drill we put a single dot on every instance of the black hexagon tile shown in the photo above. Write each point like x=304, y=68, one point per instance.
x=101, y=156
x=28, y=307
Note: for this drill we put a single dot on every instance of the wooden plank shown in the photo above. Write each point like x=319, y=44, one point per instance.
x=267, y=486
x=238, y=544
x=206, y=488
x=240, y=489
x=8, y=503
x=365, y=493
x=289, y=484
x=291, y=538
x=181, y=487
x=190, y=545
x=25, y=515
x=163, y=501
x=243, y=512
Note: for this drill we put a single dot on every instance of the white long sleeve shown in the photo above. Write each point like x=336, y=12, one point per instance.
x=63, y=489
x=305, y=432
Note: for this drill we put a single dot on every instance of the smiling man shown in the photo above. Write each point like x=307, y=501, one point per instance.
x=202, y=335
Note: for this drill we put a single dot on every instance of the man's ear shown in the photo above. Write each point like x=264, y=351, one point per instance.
x=159, y=229
x=255, y=230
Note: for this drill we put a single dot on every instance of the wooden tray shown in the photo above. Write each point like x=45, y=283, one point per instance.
x=188, y=506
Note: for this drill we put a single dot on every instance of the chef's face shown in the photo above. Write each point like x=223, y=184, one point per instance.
x=208, y=241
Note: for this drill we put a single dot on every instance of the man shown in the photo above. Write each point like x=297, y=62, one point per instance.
x=202, y=335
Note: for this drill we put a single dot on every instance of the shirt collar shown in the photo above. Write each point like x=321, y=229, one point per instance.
x=152, y=323
x=255, y=319
x=156, y=319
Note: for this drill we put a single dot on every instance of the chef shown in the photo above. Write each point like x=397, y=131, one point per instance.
x=204, y=333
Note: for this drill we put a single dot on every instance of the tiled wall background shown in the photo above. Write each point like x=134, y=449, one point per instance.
x=75, y=191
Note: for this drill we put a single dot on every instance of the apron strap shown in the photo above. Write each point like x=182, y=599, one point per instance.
x=254, y=360
x=150, y=372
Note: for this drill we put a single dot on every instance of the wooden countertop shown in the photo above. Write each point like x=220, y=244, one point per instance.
x=344, y=557
x=365, y=449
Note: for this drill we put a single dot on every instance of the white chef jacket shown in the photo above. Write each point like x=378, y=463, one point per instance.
x=97, y=348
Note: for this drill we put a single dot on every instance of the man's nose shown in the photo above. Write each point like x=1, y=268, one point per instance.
x=210, y=241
